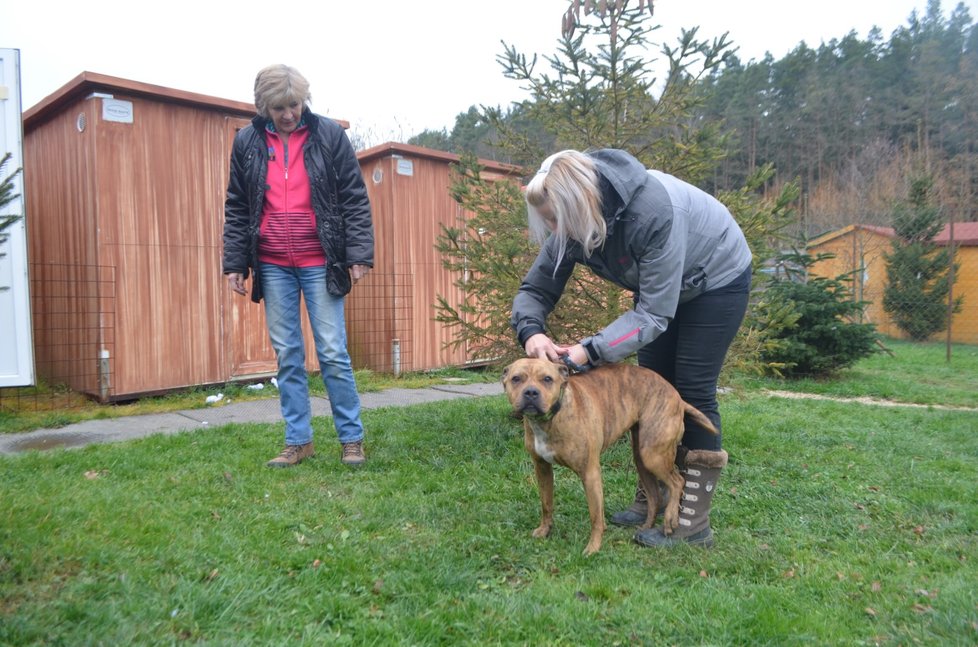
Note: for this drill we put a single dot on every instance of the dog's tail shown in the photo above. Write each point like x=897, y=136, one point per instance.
x=699, y=418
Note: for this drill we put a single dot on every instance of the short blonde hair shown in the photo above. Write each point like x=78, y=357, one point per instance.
x=567, y=182
x=278, y=85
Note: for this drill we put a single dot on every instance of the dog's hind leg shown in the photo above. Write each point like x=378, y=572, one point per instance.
x=675, y=483
x=648, y=482
x=662, y=465
x=651, y=485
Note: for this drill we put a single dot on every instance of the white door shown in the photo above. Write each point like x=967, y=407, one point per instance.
x=16, y=342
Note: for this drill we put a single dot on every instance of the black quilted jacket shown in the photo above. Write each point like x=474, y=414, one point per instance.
x=339, y=199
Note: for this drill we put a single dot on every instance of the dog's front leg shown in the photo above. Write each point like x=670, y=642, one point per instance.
x=545, y=485
x=594, y=491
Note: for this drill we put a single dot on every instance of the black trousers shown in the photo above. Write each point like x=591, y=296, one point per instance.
x=690, y=353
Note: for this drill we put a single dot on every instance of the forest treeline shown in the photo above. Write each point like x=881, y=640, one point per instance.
x=849, y=121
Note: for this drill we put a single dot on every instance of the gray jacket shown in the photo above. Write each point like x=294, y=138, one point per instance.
x=667, y=242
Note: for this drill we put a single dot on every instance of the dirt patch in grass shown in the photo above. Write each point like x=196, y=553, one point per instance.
x=863, y=400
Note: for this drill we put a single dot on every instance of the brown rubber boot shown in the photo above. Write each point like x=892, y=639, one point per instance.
x=353, y=453
x=292, y=455
x=701, y=471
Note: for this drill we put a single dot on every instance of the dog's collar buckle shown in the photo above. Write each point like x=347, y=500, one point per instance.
x=574, y=366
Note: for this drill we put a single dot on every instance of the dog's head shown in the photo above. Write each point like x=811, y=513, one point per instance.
x=534, y=386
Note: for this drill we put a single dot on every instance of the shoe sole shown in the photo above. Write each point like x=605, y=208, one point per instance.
x=628, y=519
x=701, y=539
x=281, y=465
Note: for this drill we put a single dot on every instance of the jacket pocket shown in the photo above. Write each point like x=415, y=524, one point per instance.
x=338, y=281
x=693, y=283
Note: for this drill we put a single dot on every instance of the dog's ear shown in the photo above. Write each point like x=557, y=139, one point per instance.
x=564, y=372
x=502, y=378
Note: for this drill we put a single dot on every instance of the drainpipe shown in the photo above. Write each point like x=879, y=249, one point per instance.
x=103, y=374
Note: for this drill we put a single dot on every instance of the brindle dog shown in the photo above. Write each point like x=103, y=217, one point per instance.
x=570, y=419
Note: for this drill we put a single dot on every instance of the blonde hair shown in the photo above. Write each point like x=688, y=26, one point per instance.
x=567, y=183
x=278, y=85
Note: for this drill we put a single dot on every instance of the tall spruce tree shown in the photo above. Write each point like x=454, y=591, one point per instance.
x=597, y=92
x=812, y=321
x=846, y=116
x=918, y=270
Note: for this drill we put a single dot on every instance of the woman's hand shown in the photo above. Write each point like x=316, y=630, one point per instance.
x=236, y=282
x=358, y=272
x=576, y=353
x=541, y=347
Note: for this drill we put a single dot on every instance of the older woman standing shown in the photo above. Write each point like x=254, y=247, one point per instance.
x=685, y=259
x=298, y=219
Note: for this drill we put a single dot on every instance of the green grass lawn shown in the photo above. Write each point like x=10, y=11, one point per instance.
x=913, y=373
x=836, y=524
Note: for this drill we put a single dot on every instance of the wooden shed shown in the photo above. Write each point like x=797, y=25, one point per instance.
x=124, y=188
x=391, y=315
x=124, y=193
x=860, y=249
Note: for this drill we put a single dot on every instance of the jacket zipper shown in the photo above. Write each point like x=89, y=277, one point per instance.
x=285, y=146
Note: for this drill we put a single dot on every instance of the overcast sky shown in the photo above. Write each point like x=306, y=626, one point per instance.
x=390, y=68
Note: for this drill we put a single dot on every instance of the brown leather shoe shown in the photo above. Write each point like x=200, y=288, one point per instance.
x=353, y=453
x=292, y=455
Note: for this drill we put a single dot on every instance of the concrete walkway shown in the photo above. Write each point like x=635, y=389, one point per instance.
x=222, y=413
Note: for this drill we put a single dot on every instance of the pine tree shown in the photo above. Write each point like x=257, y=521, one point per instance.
x=917, y=269
x=434, y=139
x=596, y=94
x=810, y=321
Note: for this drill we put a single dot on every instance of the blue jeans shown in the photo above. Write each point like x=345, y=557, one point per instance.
x=690, y=353
x=282, y=287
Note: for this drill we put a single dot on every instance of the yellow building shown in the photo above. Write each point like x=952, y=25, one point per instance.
x=860, y=249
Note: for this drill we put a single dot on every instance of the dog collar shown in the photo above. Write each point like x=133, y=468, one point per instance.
x=574, y=366
x=547, y=417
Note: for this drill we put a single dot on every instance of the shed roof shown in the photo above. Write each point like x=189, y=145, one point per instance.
x=965, y=233
x=394, y=148
x=88, y=82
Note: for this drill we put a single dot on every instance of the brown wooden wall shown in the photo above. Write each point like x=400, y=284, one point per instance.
x=125, y=223
x=163, y=235
x=860, y=251
x=66, y=287
x=409, y=195
x=124, y=227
